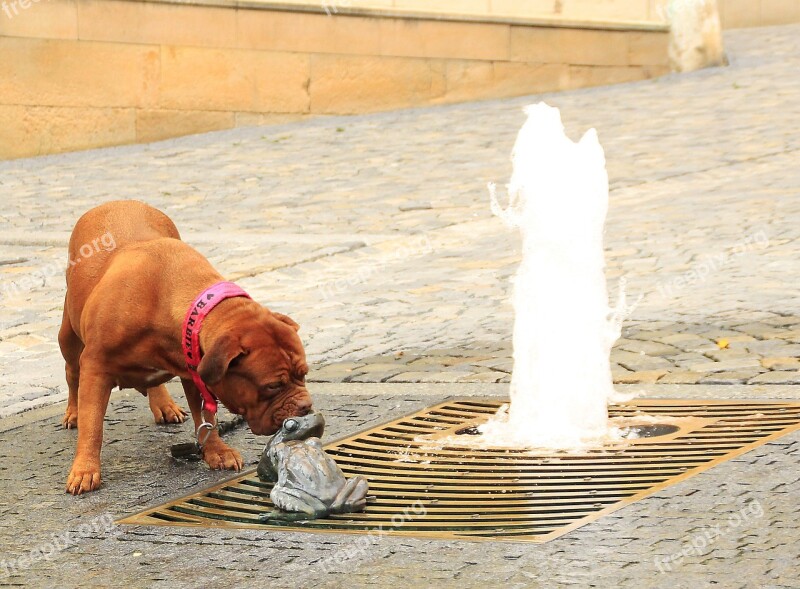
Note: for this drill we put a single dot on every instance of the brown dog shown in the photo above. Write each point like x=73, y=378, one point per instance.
x=123, y=315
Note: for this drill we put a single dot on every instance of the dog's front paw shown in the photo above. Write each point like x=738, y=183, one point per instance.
x=83, y=478
x=220, y=456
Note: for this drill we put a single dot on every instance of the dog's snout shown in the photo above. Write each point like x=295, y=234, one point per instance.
x=304, y=407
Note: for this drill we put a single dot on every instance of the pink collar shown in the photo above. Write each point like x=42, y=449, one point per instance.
x=201, y=307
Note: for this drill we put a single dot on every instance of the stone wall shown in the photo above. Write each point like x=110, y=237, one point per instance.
x=758, y=13
x=78, y=74
x=598, y=10
x=734, y=13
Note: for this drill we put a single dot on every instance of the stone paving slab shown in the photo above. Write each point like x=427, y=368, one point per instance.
x=758, y=548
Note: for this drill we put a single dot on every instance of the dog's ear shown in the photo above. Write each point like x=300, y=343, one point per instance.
x=218, y=359
x=287, y=320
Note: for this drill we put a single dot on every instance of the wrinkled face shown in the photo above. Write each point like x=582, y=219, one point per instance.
x=257, y=369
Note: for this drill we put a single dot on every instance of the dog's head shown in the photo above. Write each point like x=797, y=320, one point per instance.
x=256, y=366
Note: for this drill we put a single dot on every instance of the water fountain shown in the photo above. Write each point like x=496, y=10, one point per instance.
x=564, y=327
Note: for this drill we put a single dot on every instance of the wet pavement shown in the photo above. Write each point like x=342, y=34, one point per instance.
x=732, y=526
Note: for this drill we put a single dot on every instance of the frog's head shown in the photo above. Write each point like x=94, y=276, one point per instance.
x=300, y=428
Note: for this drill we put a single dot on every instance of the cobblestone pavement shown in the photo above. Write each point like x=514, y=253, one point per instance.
x=760, y=551
x=375, y=233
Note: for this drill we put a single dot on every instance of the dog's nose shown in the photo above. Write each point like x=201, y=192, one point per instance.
x=304, y=408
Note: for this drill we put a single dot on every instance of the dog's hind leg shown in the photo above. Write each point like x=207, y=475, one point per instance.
x=71, y=348
x=164, y=408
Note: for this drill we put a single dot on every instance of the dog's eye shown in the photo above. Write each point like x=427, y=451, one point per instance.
x=274, y=387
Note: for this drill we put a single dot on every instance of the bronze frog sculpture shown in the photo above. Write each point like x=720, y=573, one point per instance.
x=308, y=483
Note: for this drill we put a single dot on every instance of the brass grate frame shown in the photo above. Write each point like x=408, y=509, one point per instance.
x=493, y=493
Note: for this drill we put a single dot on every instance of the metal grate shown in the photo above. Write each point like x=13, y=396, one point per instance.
x=477, y=494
